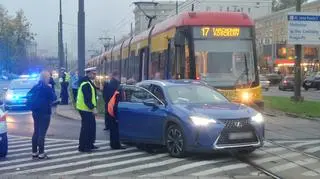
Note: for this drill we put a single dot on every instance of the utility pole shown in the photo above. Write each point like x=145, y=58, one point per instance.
x=192, y=7
x=81, y=39
x=67, y=57
x=60, y=40
x=298, y=51
x=131, y=30
x=107, y=44
x=177, y=7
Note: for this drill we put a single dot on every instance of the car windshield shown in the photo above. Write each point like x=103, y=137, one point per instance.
x=22, y=84
x=194, y=94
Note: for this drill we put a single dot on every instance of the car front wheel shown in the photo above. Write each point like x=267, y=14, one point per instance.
x=175, y=141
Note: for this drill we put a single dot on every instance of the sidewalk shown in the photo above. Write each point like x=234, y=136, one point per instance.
x=68, y=111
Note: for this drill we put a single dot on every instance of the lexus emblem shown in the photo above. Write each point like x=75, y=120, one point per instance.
x=238, y=124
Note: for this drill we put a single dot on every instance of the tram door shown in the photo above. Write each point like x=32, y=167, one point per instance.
x=143, y=67
x=181, y=67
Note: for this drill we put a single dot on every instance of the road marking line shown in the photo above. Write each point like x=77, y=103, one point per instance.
x=312, y=150
x=220, y=169
x=296, y=163
x=292, y=141
x=269, y=150
x=46, y=146
x=311, y=173
x=139, y=167
x=59, y=160
x=113, y=164
x=304, y=143
x=29, y=144
x=48, y=150
x=182, y=168
x=49, y=138
x=51, y=155
x=275, y=158
x=18, y=142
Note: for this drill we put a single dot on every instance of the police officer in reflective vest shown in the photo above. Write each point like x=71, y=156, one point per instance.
x=86, y=104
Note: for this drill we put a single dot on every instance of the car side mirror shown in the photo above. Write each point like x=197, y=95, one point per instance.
x=150, y=102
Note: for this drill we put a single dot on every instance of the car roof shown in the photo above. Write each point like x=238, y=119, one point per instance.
x=166, y=83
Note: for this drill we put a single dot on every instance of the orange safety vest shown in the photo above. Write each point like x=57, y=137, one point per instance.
x=111, y=104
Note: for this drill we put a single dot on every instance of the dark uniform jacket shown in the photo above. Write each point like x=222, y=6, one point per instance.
x=109, y=88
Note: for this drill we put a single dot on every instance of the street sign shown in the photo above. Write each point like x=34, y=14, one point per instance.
x=304, y=28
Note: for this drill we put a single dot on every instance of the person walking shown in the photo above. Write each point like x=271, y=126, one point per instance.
x=86, y=105
x=75, y=85
x=108, y=90
x=40, y=99
x=64, y=95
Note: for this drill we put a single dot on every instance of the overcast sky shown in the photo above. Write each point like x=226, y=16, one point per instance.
x=103, y=17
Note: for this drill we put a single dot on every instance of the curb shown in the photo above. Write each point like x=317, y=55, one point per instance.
x=72, y=118
x=277, y=113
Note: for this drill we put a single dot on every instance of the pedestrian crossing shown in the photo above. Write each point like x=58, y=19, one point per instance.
x=65, y=160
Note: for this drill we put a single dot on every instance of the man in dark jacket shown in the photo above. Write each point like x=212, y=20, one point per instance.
x=43, y=97
x=108, y=90
x=86, y=104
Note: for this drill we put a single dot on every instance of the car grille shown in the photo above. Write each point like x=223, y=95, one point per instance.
x=236, y=126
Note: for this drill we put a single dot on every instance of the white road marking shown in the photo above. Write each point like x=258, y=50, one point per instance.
x=29, y=144
x=287, y=166
x=113, y=164
x=46, y=146
x=139, y=167
x=304, y=143
x=220, y=169
x=312, y=173
x=182, y=168
x=292, y=141
x=312, y=149
x=59, y=165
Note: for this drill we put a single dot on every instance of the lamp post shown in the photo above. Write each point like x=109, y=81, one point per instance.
x=81, y=39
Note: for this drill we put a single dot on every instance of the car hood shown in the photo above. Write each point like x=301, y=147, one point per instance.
x=20, y=92
x=218, y=111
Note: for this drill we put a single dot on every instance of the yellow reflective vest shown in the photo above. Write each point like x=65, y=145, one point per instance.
x=81, y=105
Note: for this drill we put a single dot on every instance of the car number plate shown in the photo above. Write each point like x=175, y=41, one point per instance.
x=240, y=135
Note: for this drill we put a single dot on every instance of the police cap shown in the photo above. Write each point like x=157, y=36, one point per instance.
x=91, y=69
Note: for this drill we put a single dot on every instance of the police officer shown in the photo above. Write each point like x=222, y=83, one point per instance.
x=86, y=104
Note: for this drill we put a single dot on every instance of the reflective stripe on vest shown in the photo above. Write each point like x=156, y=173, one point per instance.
x=81, y=105
x=111, y=104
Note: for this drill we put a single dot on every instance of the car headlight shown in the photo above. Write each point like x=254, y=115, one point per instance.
x=246, y=96
x=9, y=96
x=202, y=121
x=258, y=118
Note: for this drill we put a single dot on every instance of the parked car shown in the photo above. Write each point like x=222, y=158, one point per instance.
x=287, y=83
x=265, y=83
x=16, y=95
x=187, y=116
x=312, y=81
x=3, y=135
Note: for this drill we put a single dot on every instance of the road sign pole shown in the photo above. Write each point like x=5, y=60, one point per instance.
x=298, y=48
x=81, y=39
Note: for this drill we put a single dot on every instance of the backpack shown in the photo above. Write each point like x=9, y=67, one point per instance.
x=32, y=98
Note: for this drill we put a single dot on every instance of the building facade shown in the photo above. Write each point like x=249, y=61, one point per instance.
x=161, y=10
x=254, y=8
x=274, y=52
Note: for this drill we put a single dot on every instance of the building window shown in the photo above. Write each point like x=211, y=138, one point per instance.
x=249, y=10
x=242, y=9
x=220, y=8
x=228, y=9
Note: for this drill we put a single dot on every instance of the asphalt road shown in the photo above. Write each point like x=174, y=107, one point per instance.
x=291, y=151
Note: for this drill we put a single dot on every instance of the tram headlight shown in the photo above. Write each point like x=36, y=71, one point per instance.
x=246, y=96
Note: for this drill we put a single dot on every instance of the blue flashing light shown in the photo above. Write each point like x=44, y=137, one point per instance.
x=34, y=75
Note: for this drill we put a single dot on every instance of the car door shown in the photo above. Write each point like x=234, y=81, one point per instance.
x=135, y=117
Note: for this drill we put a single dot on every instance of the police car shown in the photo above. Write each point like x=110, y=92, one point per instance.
x=3, y=134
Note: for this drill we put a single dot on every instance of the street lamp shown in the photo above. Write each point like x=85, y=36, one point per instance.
x=150, y=18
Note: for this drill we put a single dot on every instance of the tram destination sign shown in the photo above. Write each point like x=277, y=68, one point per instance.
x=304, y=28
x=208, y=32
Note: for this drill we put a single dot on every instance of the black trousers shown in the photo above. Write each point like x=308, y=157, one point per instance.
x=107, y=118
x=114, y=134
x=88, y=131
x=75, y=94
x=41, y=124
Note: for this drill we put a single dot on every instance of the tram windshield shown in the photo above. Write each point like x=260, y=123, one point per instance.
x=225, y=62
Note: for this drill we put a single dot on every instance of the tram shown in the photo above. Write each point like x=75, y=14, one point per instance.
x=216, y=47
